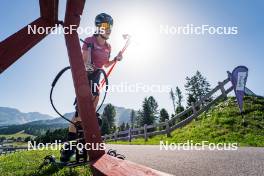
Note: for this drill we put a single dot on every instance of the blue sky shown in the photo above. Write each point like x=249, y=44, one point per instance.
x=153, y=58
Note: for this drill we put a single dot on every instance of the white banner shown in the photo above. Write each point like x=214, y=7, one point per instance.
x=241, y=80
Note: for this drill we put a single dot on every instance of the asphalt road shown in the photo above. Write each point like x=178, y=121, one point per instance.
x=243, y=162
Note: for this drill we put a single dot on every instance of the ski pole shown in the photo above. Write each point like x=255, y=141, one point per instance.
x=127, y=37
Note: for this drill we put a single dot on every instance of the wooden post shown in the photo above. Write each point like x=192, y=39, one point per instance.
x=106, y=136
x=167, y=128
x=222, y=89
x=193, y=108
x=129, y=135
x=202, y=103
x=86, y=108
x=116, y=134
x=145, y=132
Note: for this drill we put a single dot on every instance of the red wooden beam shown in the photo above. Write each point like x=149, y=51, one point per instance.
x=108, y=165
x=19, y=43
x=104, y=164
x=49, y=10
x=90, y=125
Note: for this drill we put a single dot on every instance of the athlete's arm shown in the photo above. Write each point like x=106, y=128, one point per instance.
x=86, y=57
x=119, y=57
x=109, y=63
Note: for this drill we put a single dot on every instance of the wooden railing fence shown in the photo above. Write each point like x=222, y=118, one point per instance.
x=168, y=126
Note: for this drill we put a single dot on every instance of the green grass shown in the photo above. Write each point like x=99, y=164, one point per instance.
x=18, y=144
x=222, y=123
x=26, y=163
x=21, y=134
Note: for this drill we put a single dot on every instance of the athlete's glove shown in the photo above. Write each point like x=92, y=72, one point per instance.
x=119, y=57
x=89, y=67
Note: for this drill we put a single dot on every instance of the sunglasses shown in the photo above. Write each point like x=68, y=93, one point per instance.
x=106, y=26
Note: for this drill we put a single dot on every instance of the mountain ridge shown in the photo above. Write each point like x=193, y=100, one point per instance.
x=14, y=117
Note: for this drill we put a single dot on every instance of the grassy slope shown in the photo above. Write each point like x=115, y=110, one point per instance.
x=222, y=123
x=16, y=135
x=26, y=163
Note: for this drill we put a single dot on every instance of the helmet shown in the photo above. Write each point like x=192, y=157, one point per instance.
x=103, y=20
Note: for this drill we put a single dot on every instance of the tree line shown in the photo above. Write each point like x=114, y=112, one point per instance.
x=196, y=87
